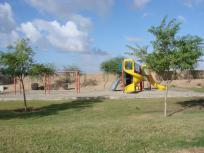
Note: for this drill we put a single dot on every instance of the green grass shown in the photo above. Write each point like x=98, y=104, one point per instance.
x=197, y=89
x=102, y=126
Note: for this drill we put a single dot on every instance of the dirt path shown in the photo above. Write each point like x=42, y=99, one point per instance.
x=71, y=94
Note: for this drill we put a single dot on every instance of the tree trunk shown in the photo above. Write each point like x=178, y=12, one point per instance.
x=24, y=96
x=165, y=98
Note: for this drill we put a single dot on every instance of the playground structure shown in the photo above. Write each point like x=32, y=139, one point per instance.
x=132, y=77
x=47, y=82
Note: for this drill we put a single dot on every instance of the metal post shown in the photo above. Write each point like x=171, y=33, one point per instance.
x=14, y=82
x=122, y=78
x=45, y=83
x=141, y=84
x=20, y=88
x=48, y=84
x=78, y=82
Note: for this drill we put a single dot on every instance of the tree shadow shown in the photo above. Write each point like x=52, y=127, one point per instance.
x=189, y=104
x=52, y=109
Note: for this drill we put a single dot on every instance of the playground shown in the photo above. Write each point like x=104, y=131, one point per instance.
x=131, y=81
x=94, y=93
x=104, y=76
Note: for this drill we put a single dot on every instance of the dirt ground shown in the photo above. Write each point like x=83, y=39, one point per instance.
x=102, y=87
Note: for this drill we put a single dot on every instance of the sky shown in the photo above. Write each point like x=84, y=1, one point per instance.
x=87, y=32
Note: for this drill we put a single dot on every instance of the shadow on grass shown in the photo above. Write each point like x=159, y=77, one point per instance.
x=52, y=109
x=189, y=104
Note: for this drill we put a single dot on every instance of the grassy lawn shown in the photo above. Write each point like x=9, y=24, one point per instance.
x=103, y=126
x=198, y=89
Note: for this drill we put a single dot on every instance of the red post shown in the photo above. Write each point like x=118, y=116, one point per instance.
x=20, y=87
x=78, y=82
x=49, y=82
x=28, y=85
x=150, y=87
x=122, y=78
x=14, y=82
x=45, y=83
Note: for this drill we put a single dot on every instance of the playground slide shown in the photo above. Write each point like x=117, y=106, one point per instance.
x=115, y=84
x=136, y=79
x=152, y=81
x=156, y=85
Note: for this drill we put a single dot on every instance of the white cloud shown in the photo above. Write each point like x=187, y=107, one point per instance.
x=133, y=39
x=67, y=37
x=191, y=3
x=8, y=38
x=83, y=22
x=6, y=18
x=30, y=31
x=181, y=18
x=146, y=14
x=71, y=36
x=140, y=3
x=65, y=8
x=8, y=32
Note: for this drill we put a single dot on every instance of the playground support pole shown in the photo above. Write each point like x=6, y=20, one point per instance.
x=141, y=83
x=122, y=77
x=48, y=82
x=14, y=82
x=20, y=88
x=78, y=82
x=45, y=84
x=28, y=85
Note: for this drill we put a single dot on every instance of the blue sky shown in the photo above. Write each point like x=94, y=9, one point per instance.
x=87, y=32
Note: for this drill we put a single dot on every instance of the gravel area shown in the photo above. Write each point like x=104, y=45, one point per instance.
x=71, y=94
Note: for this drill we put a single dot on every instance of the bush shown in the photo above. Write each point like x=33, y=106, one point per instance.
x=199, y=84
x=34, y=86
x=41, y=88
x=65, y=86
x=89, y=82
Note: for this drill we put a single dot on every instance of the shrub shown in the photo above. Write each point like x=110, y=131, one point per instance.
x=89, y=82
x=34, y=86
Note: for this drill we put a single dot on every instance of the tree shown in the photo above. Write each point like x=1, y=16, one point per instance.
x=189, y=53
x=170, y=52
x=17, y=62
x=68, y=77
x=140, y=52
x=72, y=68
x=111, y=66
x=40, y=70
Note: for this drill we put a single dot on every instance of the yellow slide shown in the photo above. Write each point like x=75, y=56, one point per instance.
x=136, y=79
x=152, y=81
x=156, y=85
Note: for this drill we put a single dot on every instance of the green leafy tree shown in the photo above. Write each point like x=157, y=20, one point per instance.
x=170, y=52
x=72, y=68
x=189, y=51
x=111, y=66
x=69, y=77
x=140, y=52
x=40, y=70
x=17, y=62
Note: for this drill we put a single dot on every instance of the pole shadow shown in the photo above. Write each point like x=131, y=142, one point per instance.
x=189, y=104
